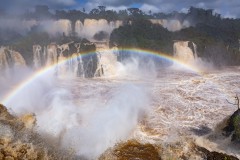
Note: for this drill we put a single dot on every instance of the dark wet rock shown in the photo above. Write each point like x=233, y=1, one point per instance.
x=207, y=155
x=201, y=131
x=233, y=127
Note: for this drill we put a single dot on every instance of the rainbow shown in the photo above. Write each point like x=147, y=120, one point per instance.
x=37, y=74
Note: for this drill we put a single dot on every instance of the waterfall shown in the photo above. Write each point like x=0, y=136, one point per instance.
x=80, y=67
x=104, y=63
x=17, y=59
x=3, y=61
x=171, y=24
x=183, y=52
x=90, y=27
x=195, y=50
x=62, y=66
x=55, y=27
x=10, y=60
x=37, y=59
x=107, y=65
x=73, y=64
x=44, y=60
x=78, y=27
x=52, y=56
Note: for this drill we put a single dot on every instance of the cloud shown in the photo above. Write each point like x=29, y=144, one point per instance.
x=16, y=6
x=65, y=2
x=146, y=8
x=118, y=8
x=230, y=8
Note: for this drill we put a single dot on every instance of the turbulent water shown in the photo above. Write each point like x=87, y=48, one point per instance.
x=167, y=106
x=91, y=115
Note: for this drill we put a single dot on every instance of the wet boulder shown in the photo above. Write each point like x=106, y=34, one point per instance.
x=233, y=127
x=206, y=154
x=132, y=149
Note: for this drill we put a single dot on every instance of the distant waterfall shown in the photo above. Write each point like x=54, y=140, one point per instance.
x=194, y=50
x=62, y=66
x=81, y=72
x=4, y=66
x=10, y=60
x=43, y=55
x=55, y=27
x=184, y=53
x=90, y=27
x=37, y=56
x=73, y=64
x=107, y=60
x=52, y=56
x=17, y=59
x=171, y=24
x=78, y=27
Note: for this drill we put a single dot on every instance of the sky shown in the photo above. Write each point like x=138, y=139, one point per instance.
x=227, y=8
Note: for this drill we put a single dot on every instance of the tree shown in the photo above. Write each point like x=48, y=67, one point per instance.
x=135, y=11
x=123, y=14
x=236, y=102
x=94, y=11
x=102, y=8
x=150, y=12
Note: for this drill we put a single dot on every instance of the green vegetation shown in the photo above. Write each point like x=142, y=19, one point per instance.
x=236, y=124
x=143, y=34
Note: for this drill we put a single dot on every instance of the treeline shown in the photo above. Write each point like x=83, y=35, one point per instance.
x=43, y=12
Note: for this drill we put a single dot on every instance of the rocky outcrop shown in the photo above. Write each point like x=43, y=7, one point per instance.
x=233, y=127
x=19, y=141
x=206, y=154
x=132, y=149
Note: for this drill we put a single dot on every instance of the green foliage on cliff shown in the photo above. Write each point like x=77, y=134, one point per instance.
x=143, y=34
x=236, y=124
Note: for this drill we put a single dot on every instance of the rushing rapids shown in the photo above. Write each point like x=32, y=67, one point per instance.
x=180, y=108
